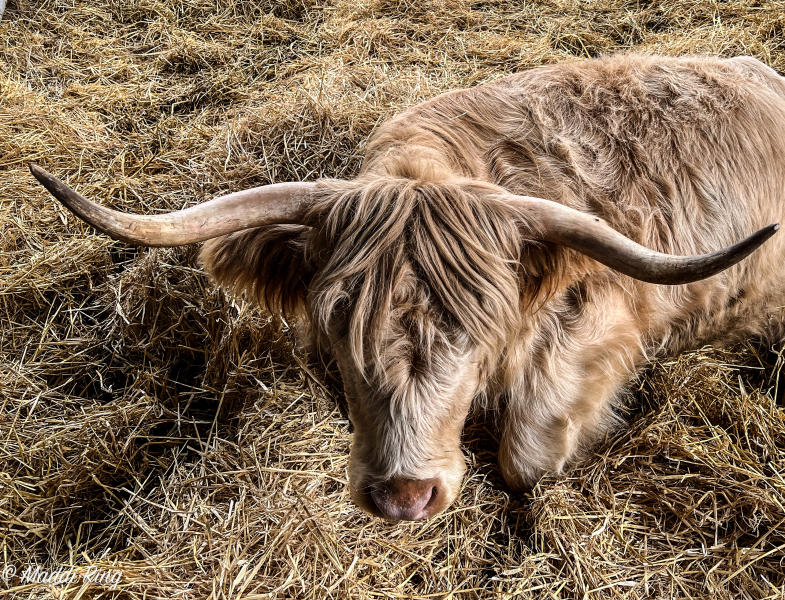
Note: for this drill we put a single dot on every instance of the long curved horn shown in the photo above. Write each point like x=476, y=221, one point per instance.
x=265, y=205
x=593, y=237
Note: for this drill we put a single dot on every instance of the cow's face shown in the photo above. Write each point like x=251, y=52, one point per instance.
x=415, y=287
x=408, y=400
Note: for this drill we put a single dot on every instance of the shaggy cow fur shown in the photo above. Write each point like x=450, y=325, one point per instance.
x=431, y=290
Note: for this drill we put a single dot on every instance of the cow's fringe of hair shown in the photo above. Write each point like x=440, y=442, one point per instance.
x=380, y=235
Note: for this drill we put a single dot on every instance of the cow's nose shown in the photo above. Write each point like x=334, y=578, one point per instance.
x=407, y=499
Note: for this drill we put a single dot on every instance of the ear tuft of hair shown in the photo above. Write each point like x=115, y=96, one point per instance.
x=267, y=264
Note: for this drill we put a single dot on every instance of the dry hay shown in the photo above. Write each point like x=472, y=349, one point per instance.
x=151, y=424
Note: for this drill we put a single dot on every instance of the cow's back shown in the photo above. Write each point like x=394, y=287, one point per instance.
x=684, y=155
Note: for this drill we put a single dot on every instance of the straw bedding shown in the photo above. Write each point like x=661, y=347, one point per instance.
x=151, y=424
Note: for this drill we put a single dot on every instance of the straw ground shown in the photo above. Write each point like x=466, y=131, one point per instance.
x=151, y=424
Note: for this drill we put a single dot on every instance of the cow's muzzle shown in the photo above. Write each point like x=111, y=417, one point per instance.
x=408, y=499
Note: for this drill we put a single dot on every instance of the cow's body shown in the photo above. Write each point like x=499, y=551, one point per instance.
x=426, y=278
x=682, y=155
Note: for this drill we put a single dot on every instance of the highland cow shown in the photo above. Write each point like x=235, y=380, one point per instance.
x=531, y=242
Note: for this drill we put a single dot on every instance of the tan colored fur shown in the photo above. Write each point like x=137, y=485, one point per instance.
x=430, y=291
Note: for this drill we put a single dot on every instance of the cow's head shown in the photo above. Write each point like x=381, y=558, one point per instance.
x=413, y=284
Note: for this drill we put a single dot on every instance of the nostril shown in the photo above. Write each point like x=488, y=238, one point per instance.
x=379, y=499
x=434, y=494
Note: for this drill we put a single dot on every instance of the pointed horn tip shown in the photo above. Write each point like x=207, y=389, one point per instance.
x=37, y=171
x=766, y=232
x=43, y=176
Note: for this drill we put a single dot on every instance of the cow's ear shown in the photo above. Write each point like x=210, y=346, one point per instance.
x=269, y=264
x=549, y=269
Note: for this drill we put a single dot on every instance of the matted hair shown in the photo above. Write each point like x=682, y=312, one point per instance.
x=394, y=244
